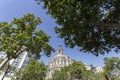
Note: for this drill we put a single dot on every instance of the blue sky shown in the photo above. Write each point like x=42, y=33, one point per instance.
x=17, y=8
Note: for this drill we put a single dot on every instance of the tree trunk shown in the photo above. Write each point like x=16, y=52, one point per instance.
x=3, y=63
x=6, y=70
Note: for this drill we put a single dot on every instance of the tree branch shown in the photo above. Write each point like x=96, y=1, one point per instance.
x=20, y=50
x=109, y=26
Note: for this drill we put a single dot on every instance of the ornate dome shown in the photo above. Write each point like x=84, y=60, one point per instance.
x=58, y=61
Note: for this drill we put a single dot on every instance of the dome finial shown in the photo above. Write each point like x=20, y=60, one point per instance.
x=60, y=50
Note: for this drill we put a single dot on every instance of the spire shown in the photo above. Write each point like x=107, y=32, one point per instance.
x=60, y=50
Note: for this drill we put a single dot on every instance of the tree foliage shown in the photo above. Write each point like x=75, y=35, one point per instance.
x=69, y=72
x=92, y=26
x=21, y=34
x=111, y=64
x=34, y=71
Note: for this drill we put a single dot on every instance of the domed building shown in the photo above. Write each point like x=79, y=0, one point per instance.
x=57, y=62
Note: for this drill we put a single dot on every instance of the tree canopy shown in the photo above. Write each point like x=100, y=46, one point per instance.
x=69, y=72
x=21, y=34
x=92, y=26
x=111, y=65
x=34, y=71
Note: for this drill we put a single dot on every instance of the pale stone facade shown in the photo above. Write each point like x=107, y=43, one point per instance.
x=99, y=69
x=18, y=63
x=57, y=62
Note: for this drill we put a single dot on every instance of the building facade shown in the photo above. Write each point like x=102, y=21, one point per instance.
x=99, y=69
x=2, y=55
x=59, y=61
x=15, y=64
